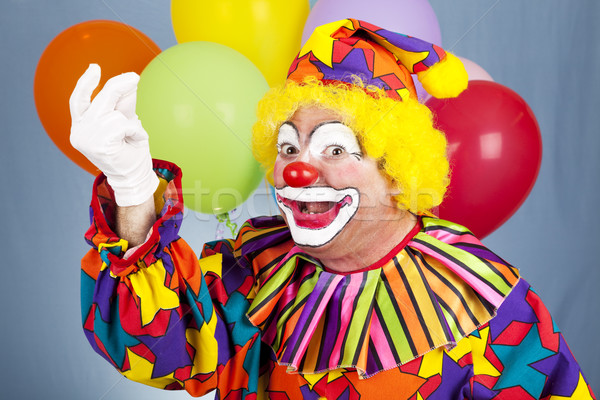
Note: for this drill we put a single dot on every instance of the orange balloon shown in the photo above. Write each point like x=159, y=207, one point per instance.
x=115, y=46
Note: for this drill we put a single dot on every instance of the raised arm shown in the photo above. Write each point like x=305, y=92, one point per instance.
x=108, y=132
x=155, y=312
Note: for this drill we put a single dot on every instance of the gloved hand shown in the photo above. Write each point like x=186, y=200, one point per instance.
x=108, y=132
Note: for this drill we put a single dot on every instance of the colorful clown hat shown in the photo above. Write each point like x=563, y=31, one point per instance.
x=341, y=50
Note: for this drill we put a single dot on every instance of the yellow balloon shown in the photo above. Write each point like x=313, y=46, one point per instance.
x=268, y=32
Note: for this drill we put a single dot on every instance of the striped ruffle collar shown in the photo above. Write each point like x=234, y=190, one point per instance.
x=433, y=292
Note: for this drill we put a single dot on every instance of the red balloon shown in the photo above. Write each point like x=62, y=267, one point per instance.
x=495, y=152
x=300, y=174
x=115, y=46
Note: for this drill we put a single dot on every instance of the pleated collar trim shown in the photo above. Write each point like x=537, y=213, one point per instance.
x=436, y=290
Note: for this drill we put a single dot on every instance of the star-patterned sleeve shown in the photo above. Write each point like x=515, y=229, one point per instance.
x=165, y=319
x=521, y=354
x=151, y=313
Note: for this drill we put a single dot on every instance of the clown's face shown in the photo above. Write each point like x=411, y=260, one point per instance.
x=331, y=195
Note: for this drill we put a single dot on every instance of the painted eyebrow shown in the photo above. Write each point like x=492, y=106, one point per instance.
x=320, y=124
x=290, y=123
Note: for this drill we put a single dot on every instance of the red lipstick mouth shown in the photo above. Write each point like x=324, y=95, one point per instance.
x=314, y=214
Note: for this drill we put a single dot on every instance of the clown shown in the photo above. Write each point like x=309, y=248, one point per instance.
x=356, y=291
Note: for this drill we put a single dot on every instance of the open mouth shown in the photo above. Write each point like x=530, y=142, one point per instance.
x=314, y=214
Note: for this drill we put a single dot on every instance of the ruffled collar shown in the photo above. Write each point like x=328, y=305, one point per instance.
x=433, y=292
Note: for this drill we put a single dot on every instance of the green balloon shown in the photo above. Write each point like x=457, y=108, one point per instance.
x=197, y=101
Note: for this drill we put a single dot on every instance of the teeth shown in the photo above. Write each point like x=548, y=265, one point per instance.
x=315, y=207
x=305, y=211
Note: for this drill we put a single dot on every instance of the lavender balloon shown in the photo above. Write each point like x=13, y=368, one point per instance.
x=410, y=17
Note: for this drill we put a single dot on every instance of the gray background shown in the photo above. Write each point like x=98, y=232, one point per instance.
x=545, y=50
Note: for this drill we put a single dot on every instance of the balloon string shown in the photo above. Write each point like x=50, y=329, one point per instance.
x=231, y=225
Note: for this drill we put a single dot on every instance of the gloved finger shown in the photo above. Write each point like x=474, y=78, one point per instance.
x=135, y=133
x=114, y=89
x=80, y=98
x=124, y=130
x=126, y=105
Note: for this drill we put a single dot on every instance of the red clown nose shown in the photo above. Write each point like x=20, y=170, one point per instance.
x=300, y=174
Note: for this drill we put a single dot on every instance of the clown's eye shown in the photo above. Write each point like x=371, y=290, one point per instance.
x=288, y=149
x=334, y=151
x=334, y=141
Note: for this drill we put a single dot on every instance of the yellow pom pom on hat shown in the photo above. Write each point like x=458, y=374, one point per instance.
x=341, y=50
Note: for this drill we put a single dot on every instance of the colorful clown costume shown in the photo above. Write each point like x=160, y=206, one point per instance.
x=440, y=317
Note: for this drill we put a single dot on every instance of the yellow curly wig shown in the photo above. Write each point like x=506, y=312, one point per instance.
x=398, y=134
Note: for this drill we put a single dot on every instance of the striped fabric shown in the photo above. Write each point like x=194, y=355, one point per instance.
x=443, y=285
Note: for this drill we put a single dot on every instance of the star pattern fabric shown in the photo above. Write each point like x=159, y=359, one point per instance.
x=205, y=342
x=342, y=49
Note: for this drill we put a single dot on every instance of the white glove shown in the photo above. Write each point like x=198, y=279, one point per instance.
x=108, y=132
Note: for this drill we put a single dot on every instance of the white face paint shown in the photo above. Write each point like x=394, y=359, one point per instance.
x=331, y=138
x=317, y=214
x=287, y=140
x=314, y=229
